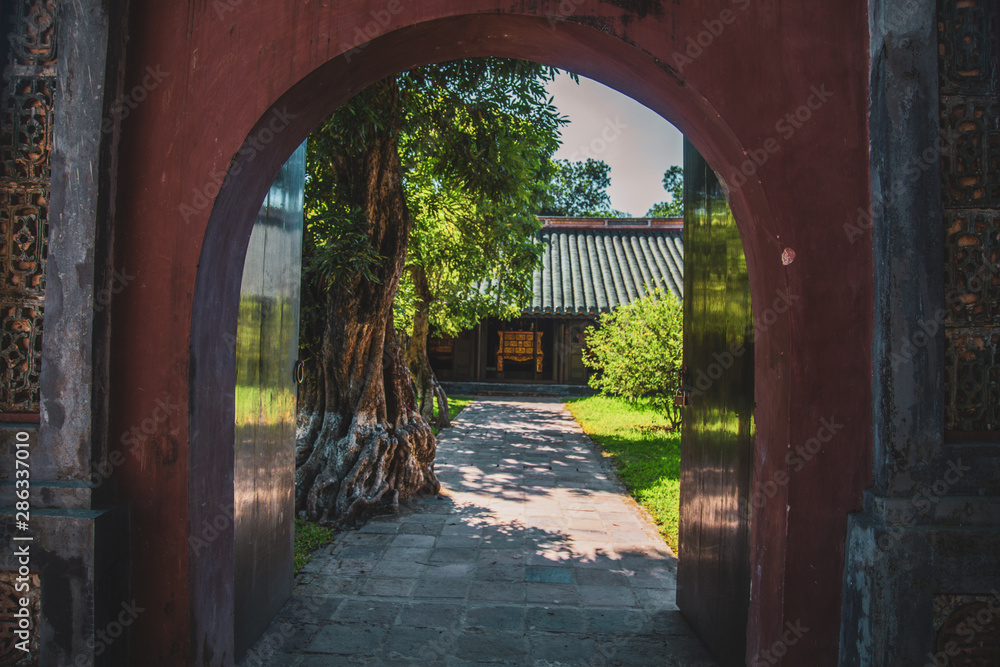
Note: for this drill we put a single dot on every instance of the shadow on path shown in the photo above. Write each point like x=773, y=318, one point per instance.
x=531, y=555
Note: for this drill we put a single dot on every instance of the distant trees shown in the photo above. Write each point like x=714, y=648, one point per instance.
x=637, y=350
x=578, y=189
x=673, y=183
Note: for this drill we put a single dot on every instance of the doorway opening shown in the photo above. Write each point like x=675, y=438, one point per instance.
x=229, y=219
x=263, y=328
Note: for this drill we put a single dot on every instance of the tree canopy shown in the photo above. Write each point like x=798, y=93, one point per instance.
x=673, y=183
x=474, y=137
x=477, y=250
x=473, y=247
x=578, y=189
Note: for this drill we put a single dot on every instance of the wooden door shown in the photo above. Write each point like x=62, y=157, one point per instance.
x=267, y=342
x=713, y=578
x=577, y=371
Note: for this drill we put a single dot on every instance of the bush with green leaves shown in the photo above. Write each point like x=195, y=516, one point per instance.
x=637, y=350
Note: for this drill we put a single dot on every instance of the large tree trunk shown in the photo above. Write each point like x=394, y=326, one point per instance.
x=428, y=389
x=362, y=446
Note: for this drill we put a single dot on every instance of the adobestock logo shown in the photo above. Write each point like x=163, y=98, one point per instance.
x=598, y=145
x=772, y=656
x=137, y=435
x=125, y=104
x=922, y=502
x=795, y=460
x=119, y=281
x=912, y=172
x=566, y=9
x=102, y=639
x=973, y=625
x=704, y=378
x=211, y=529
x=255, y=143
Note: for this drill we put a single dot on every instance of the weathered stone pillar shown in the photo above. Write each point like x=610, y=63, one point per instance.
x=926, y=543
x=77, y=535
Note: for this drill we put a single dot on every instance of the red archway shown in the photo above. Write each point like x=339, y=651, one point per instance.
x=814, y=364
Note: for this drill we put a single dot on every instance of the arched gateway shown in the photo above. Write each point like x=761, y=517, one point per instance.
x=776, y=96
x=725, y=90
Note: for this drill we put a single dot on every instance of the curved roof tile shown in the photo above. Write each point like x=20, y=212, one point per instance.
x=588, y=270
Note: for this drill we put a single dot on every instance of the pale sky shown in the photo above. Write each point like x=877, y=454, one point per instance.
x=637, y=143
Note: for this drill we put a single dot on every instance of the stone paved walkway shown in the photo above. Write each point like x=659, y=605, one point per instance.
x=530, y=555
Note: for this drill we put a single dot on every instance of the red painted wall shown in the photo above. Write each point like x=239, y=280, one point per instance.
x=222, y=65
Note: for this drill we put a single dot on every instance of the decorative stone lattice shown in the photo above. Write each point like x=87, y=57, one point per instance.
x=970, y=164
x=25, y=168
x=973, y=359
x=967, y=630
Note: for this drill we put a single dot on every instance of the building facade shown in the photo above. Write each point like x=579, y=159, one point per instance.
x=589, y=266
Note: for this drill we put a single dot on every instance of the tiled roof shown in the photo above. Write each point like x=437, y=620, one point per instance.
x=589, y=269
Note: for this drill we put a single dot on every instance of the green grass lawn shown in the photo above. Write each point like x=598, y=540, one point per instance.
x=308, y=538
x=455, y=405
x=646, y=456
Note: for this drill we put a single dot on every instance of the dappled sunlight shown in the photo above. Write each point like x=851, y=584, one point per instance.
x=530, y=549
x=575, y=514
x=635, y=439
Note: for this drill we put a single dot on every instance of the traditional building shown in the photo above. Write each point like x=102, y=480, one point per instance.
x=590, y=266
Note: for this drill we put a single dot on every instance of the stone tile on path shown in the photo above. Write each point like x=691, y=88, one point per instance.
x=508, y=618
x=531, y=555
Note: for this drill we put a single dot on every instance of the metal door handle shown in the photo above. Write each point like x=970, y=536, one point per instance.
x=682, y=397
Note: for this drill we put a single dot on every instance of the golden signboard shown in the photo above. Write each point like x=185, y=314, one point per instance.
x=520, y=346
x=440, y=347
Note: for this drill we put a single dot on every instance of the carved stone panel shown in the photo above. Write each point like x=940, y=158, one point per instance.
x=972, y=357
x=972, y=268
x=26, y=142
x=967, y=630
x=20, y=351
x=966, y=46
x=33, y=41
x=971, y=152
x=24, y=216
x=26, y=115
x=970, y=172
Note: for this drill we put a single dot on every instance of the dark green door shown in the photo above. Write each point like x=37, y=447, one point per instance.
x=267, y=341
x=713, y=578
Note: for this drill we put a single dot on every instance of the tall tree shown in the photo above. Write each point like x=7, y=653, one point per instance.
x=578, y=189
x=362, y=445
x=673, y=182
x=472, y=255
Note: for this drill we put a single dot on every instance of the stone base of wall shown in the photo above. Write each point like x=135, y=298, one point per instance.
x=920, y=583
x=78, y=561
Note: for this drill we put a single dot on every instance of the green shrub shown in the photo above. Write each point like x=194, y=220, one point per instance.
x=637, y=350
